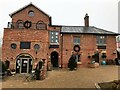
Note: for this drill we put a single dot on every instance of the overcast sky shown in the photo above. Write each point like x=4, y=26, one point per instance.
x=102, y=13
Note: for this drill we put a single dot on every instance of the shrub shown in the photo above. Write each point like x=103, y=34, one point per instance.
x=2, y=67
x=72, y=63
x=7, y=64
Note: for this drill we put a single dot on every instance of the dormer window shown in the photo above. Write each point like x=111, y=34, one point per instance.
x=31, y=13
x=20, y=24
x=40, y=25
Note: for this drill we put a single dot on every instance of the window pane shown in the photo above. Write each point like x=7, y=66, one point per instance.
x=13, y=46
x=31, y=13
x=76, y=40
x=25, y=45
x=56, y=41
x=53, y=37
x=97, y=39
x=101, y=40
x=56, y=36
x=56, y=33
x=41, y=25
x=20, y=24
x=52, y=41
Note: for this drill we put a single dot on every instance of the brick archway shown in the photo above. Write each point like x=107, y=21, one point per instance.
x=24, y=63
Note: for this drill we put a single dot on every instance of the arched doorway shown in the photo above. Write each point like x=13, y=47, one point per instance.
x=24, y=63
x=118, y=54
x=54, y=59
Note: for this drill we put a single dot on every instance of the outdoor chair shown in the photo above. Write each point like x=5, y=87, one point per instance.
x=30, y=77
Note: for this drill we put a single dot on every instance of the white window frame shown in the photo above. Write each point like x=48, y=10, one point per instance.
x=54, y=37
x=76, y=37
x=101, y=40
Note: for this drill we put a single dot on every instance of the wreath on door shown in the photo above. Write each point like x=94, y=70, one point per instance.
x=27, y=24
x=76, y=48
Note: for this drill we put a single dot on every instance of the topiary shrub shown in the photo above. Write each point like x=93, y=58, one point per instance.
x=2, y=68
x=72, y=64
x=7, y=64
x=37, y=71
x=103, y=55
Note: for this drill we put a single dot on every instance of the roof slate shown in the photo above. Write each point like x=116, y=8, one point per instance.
x=73, y=29
x=85, y=30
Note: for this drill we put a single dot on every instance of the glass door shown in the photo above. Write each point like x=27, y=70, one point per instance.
x=24, y=65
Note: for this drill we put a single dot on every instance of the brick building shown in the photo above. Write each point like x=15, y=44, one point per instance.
x=30, y=36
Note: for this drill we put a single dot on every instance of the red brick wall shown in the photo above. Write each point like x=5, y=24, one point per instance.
x=111, y=47
x=88, y=45
x=34, y=36
x=58, y=50
x=41, y=37
x=23, y=15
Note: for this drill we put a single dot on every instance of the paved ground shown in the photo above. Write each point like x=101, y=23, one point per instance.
x=81, y=78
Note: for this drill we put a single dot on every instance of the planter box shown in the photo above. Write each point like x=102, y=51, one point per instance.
x=91, y=65
x=79, y=63
x=95, y=65
x=109, y=85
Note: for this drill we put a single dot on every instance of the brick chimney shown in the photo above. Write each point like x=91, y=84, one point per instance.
x=86, y=20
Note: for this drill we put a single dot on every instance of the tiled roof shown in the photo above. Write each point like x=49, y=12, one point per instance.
x=85, y=30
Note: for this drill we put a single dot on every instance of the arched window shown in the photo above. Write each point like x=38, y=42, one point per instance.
x=40, y=25
x=31, y=13
x=20, y=24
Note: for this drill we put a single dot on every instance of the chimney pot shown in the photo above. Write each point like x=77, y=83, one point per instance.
x=86, y=20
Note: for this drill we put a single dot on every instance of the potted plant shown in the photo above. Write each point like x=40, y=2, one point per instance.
x=103, y=58
x=13, y=72
x=91, y=64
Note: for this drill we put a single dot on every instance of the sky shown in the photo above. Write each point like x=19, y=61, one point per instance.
x=102, y=13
